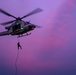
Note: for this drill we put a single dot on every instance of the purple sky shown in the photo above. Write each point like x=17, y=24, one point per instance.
x=50, y=50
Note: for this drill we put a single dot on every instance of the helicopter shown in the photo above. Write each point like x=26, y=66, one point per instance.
x=18, y=26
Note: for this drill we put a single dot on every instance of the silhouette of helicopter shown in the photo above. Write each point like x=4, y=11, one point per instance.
x=18, y=26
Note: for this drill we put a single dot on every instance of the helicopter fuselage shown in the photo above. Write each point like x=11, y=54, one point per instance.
x=23, y=30
x=18, y=28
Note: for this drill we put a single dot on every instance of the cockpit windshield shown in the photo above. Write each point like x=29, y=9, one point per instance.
x=27, y=23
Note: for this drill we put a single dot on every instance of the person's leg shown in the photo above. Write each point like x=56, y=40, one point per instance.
x=20, y=47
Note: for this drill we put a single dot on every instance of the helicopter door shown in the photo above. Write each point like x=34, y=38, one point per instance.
x=16, y=27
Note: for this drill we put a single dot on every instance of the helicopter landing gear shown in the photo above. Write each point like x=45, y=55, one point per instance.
x=28, y=34
x=23, y=35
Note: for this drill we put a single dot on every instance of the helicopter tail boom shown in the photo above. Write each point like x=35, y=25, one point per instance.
x=4, y=33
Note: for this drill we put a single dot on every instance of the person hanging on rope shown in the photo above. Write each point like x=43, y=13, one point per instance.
x=19, y=46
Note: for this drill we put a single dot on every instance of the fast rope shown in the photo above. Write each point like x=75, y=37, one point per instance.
x=16, y=62
x=18, y=45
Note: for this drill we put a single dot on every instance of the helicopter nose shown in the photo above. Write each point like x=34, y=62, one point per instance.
x=33, y=27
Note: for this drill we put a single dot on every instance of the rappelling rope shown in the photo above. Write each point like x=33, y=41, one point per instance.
x=17, y=60
x=18, y=40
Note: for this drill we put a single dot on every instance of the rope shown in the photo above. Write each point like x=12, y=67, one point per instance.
x=18, y=40
x=16, y=62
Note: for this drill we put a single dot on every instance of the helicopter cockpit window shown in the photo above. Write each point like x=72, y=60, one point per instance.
x=27, y=23
x=17, y=27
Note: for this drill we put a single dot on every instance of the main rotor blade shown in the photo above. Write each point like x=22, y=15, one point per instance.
x=5, y=23
x=6, y=13
x=33, y=12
